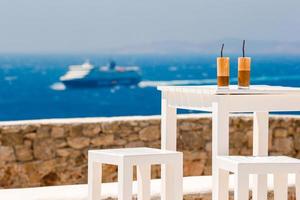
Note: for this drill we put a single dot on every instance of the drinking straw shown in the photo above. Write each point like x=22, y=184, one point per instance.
x=243, y=48
x=222, y=50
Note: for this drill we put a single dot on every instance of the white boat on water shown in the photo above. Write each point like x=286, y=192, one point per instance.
x=86, y=75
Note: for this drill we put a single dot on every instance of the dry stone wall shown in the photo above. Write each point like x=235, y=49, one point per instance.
x=54, y=152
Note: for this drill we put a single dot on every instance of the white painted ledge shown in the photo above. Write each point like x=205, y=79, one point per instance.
x=191, y=185
x=85, y=120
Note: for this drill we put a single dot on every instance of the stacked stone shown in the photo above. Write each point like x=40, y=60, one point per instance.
x=53, y=153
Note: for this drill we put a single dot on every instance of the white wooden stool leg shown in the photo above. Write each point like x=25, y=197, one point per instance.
x=178, y=178
x=125, y=181
x=220, y=184
x=144, y=179
x=220, y=146
x=297, y=186
x=167, y=182
x=94, y=180
x=280, y=186
x=172, y=189
x=260, y=148
x=260, y=187
x=241, y=186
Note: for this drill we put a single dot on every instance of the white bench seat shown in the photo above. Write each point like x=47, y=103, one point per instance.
x=142, y=158
x=243, y=166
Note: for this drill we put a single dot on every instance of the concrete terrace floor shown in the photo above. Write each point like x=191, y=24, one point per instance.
x=196, y=186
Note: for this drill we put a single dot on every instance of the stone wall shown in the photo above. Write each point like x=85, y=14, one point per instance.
x=54, y=152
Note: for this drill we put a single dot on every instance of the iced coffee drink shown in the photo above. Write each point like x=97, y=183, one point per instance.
x=244, y=64
x=223, y=72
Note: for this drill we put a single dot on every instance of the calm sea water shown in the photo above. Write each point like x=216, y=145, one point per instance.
x=29, y=83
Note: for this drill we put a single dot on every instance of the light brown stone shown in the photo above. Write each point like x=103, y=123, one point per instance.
x=110, y=127
x=136, y=129
x=78, y=142
x=297, y=142
x=249, y=139
x=246, y=152
x=10, y=129
x=28, y=143
x=75, y=154
x=291, y=130
x=238, y=139
x=7, y=153
x=43, y=132
x=150, y=133
x=57, y=132
x=284, y=145
x=208, y=146
x=64, y=152
x=193, y=168
x=135, y=144
x=35, y=171
x=76, y=131
x=280, y=132
x=103, y=140
x=91, y=130
x=120, y=142
x=125, y=130
x=144, y=123
x=155, y=122
x=30, y=136
x=60, y=143
x=154, y=144
x=23, y=153
x=11, y=139
x=189, y=126
x=234, y=151
x=192, y=140
x=194, y=155
x=29, y=128
x=132, y=137
x=44, y=149
x=133, y=123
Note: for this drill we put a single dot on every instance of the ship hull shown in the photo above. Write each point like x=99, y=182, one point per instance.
x=83, y=83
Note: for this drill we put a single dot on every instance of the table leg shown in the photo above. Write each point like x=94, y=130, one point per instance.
x=220, y=146
x=168, y=125
x=260, y=148
x=168, y=142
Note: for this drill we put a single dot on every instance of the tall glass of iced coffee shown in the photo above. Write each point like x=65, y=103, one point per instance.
x=223, y=72
x=244, y=64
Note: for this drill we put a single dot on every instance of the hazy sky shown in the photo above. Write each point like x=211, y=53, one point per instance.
x=99, y=25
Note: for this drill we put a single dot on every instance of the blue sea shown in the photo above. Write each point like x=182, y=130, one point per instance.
x=30, y=88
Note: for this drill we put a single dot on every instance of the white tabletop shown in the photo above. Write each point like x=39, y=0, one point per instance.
x=232, y=90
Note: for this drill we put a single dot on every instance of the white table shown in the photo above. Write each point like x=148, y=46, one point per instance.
x=258, y=99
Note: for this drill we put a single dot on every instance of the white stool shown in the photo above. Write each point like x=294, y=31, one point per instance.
x=125, y=159
x=279, y=166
